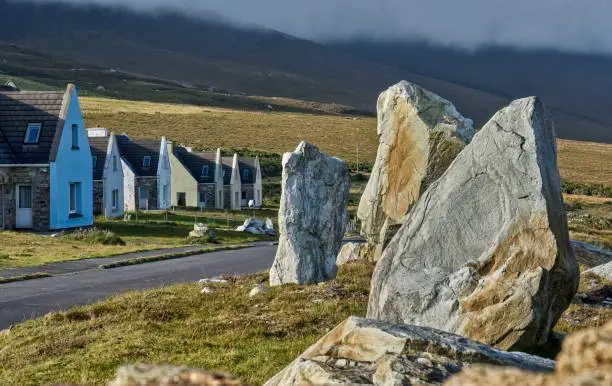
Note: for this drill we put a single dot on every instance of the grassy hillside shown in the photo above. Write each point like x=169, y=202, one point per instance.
x=279, y=132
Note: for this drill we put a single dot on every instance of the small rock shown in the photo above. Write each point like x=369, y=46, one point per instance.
x=258, y=290
x=207, y=290
x=424, y=362
x=147, y=375
x=214, y=280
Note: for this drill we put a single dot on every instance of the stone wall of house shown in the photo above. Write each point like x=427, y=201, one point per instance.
x=209, y=191
x=38, y=178
x=227, y=196
x=98, y=197
x=151, y=184
x=248, y=192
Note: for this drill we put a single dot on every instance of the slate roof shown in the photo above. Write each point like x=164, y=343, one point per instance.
x=133, y=152
x=98, y=146
x=194, y=163
x=17, y=110
x=243, y=163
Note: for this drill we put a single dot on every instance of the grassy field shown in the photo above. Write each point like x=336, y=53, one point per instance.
x=251, y=337
x=150, y=231
x=338, y=135
x=226, y=330
x=590, y=219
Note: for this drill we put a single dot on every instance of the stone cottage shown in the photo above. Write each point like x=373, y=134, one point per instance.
x=45, y=161
x=212, y=180
x=107, y=173
x=146, y=173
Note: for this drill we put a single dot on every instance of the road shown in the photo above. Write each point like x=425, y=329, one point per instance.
x=25, y=300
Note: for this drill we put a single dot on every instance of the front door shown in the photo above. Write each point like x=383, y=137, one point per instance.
x=24, y=206
x=181, y=199
x=143, y=197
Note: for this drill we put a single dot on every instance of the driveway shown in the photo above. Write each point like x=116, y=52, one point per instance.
x=25, y=300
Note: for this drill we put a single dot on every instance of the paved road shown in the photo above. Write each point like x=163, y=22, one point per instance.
x=29, y=299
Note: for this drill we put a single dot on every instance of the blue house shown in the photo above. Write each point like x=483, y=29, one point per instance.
x=45, y=161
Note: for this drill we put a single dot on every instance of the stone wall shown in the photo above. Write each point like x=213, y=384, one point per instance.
x=248, y=192
x=98, y=197
x=38, y=178
x=227, y=197
x=151, y=184
x=209, y=191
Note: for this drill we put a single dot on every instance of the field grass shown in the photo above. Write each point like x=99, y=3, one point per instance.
x=338, y=135
x=26, y=249
x=252, y=338
x=226, y=330
x=590, y=219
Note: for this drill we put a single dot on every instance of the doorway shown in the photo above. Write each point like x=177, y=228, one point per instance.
x=24, y=207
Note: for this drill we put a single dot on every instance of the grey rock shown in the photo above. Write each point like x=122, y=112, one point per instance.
x=353, y=251
x=312, y=217
x=151, y=375
x=604, y=271
x=370, y=352
x=269, y=224
x=486, y=253
x=258, y=290
x=420, y=134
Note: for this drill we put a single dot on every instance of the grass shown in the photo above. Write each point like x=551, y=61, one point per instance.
x=252, y=338
x=95, y=236
x=338, y=135
x=27, y=249
x=590, y=219
x=170, y=256
x=38, y=275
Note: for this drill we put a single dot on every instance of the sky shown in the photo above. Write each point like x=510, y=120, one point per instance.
x=565, y=25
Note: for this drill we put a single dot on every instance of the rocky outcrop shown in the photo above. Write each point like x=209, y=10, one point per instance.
x=420, y=134
x=586, y=359
x=369, y=352
x=603, y=271
x=312, y=217
x=149, y=375
x=353, y=251
x=486, y=253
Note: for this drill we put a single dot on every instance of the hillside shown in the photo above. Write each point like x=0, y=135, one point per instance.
x=210, y=55
x=208, y=128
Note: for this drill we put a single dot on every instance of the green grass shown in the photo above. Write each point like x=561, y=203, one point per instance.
x=227, y=330
x=170, y=256
x=590, y=220
x=38, y=275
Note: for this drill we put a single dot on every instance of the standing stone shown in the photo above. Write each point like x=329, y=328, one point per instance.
x=420, y=134
x=486, y=252
x=312, y=217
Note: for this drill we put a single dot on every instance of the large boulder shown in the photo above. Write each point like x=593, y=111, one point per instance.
x=369, y=352
x=420, y=134
x=312, y=217
x=586, y=359
x=603, y=271
x=486, y=252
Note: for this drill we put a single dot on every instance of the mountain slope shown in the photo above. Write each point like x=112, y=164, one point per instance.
x=212, y=55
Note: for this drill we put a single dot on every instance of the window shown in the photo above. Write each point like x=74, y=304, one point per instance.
x=205, y=170
x=25, y=197
x=244, y=195
x=245, y=173
x=202, y=198
x=32, y=133
x=146, y=161
x=75, y=136
x=165, y=196
x=114, y=163
x=115, y=199
x=94, y=161
x=181, y=199
x=75, y=197
x=224, y=170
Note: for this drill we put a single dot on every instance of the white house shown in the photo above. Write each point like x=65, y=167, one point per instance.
x=107, y=173
x=146, y=173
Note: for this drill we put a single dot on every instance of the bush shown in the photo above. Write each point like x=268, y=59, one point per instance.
x=587, y=189
x=95, y=236
x=206, y=239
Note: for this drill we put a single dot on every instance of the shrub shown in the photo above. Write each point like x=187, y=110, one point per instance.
x=206, y=239
x=587, y=189
x=95, y=236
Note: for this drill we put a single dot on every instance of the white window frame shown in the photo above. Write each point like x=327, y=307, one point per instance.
x=146, y=161
x=37, y=126
x=245, y=173
x=207, y=169
x=73, y=189
x=115, y=199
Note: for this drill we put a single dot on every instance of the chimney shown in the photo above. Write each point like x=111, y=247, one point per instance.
x=96, y=132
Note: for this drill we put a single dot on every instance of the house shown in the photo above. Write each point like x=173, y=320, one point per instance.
x=45, y=161
x=146, y=173
x=107, y=173
x=209, y=179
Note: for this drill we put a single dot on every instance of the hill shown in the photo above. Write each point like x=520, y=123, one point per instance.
x=210, y=55
x=278, y=132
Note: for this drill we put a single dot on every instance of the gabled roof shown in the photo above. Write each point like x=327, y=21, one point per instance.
x=250, y=164
x=133, y=153
x=194, y=163
x=99, y=147
x=20, y=108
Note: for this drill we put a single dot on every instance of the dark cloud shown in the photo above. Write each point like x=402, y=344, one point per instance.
x=572, y=25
